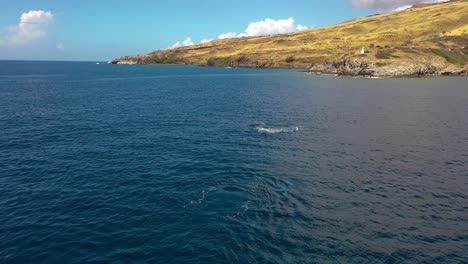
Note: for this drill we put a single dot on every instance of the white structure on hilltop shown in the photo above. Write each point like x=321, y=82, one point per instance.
x=363, y=51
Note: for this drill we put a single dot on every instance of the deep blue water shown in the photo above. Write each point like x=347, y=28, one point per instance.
x=118, y=164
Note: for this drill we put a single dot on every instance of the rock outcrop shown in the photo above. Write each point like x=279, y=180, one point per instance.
x=123, y=61
x=357, y=67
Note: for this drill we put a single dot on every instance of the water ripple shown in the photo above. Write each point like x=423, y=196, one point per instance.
x=125, y=164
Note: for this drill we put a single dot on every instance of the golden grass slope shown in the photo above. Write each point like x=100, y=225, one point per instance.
x=429, y=32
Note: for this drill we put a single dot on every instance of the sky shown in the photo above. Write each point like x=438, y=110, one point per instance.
x=95, y=30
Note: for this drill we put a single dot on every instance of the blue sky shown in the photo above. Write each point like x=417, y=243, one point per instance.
x=102, y=30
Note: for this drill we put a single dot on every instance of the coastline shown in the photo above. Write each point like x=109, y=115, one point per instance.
x=352, y=67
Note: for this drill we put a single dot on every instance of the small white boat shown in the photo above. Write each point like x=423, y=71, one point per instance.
x=98, y=63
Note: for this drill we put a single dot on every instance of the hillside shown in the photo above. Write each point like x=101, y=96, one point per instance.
x=425, y=39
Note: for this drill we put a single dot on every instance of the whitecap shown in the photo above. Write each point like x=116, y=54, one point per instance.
x=275, y=130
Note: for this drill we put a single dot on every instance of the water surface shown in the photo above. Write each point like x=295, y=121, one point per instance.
x=117, y=164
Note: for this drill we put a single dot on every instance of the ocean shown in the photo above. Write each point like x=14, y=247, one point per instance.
x=177, y=164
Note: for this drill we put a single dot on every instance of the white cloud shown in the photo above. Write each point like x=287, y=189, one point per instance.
x=267, y=27
x=385, y=5
x=205, y=41
x=60, y=46
x=401, y=8
x=187, y=42
x=260, y=28
x=301, y=27
x=34, y=25
x=228, y=35
x=271, y=27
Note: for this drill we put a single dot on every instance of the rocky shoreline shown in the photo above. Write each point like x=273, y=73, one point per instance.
x=356, y=67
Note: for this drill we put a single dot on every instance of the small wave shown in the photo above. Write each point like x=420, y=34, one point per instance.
x=31, y=76
x=273, y=130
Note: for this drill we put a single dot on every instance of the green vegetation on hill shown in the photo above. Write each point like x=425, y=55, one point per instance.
x=451, y=56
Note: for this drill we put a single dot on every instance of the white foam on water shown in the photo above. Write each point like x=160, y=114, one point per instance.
x=276, y=130
x=202, y=197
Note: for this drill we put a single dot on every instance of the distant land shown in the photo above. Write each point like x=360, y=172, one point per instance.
x=426, y=39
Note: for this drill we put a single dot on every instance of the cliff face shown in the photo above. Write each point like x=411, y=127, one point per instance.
x=426, y=39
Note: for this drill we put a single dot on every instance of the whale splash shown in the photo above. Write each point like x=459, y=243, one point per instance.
x=276, y=130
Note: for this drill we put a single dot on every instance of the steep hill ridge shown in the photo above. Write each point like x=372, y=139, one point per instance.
x=425, y=39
